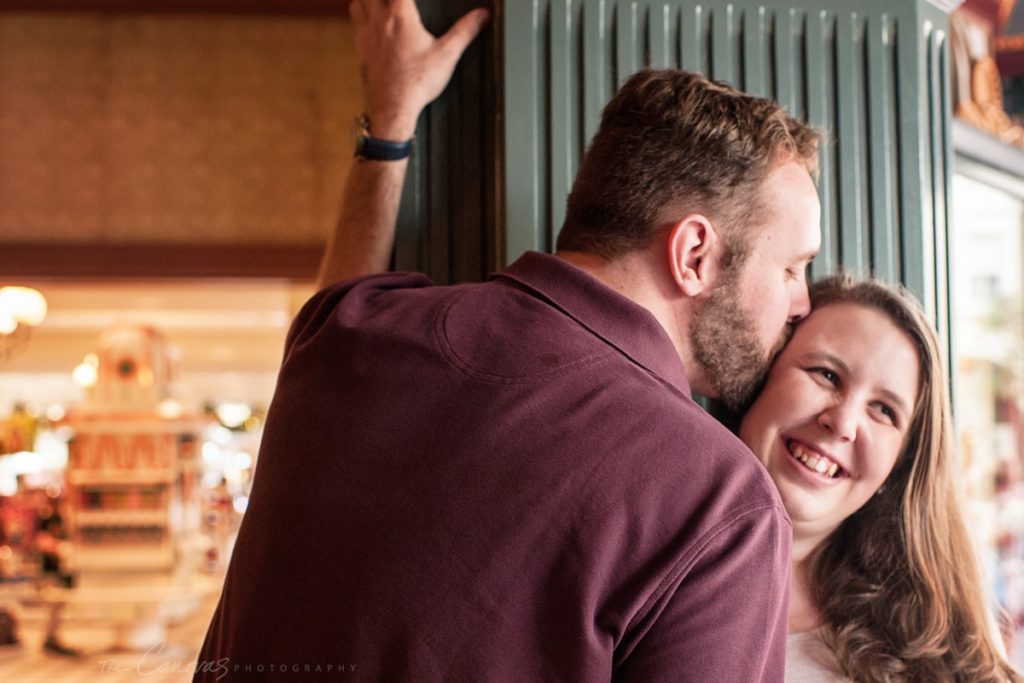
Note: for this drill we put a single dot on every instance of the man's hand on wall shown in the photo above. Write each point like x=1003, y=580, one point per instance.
x=404, y=66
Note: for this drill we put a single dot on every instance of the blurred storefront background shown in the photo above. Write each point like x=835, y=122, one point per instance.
x=131, y=420
x=988, y=369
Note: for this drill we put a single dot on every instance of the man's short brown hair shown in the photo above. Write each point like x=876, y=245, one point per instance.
x=674, y=139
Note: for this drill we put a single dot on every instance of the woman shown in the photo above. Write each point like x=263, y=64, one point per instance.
x=853, y=425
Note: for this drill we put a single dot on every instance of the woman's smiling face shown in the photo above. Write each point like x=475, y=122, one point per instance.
x=833, y=416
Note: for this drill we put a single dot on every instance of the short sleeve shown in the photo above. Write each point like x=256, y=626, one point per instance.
x=726, y=620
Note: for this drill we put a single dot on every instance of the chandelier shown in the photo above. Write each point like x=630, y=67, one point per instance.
x=21, y=309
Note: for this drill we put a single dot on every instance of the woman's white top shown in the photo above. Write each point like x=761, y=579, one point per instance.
x=809, y=660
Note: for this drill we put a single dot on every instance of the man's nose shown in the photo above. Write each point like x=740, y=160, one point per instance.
x=799, y=303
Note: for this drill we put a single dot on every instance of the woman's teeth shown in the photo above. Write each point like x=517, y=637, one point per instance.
x=813, y=461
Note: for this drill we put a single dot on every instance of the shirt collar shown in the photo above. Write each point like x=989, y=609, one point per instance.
x=616, y=319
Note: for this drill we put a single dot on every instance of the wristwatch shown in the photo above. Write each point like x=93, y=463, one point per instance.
x=375, y=149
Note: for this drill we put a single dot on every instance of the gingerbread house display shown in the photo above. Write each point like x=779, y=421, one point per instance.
x=132, y=462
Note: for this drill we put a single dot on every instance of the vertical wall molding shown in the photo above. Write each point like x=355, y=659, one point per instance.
x=872, y=74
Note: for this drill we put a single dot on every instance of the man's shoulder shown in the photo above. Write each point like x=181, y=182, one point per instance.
x=382, y=299
x=369, y=286
x=491, y=331
x=499, y=331
x=395, y=289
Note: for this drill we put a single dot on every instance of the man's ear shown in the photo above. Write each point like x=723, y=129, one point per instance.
x=692, y=254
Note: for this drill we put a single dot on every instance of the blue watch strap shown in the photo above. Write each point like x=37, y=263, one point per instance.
x=376, y=149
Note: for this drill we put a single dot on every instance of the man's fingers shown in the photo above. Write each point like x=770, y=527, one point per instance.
x=463, y=31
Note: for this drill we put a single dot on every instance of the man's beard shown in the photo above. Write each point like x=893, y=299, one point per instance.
x=726, y=344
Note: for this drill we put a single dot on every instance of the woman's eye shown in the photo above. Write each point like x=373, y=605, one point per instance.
x=830, y=376
x=888, y=412
x=791, y=274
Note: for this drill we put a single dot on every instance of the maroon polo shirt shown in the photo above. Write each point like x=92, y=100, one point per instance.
x=505, y=481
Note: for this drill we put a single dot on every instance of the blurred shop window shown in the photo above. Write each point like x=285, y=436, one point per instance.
x=85, y=409
x=987, y=285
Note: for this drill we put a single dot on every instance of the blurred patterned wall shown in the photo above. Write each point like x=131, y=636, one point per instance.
x=125, y=128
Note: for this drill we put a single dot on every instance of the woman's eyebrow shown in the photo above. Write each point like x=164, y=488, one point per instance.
x=824, y=356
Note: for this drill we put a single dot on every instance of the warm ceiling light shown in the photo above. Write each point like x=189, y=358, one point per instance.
x=7, y=322
x=24, y=304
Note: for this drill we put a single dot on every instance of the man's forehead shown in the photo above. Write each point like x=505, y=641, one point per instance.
x=796, y=240
x=790, y=199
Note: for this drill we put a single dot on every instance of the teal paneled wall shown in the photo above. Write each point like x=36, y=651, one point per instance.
x=872, y=74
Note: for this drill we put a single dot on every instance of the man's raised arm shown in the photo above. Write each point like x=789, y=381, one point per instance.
x=404, y=68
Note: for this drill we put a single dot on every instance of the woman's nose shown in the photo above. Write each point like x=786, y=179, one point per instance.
x=839, y=421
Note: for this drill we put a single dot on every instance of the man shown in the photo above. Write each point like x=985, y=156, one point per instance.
x=509, y=480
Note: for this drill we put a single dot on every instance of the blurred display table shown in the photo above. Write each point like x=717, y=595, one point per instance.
x=138, y=614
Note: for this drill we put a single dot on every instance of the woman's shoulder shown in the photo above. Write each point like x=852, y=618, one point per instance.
x=809, y=660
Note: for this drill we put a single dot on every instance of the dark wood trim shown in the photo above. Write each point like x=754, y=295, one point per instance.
x=158, y=261
x=287, y=7
x=1010, y=62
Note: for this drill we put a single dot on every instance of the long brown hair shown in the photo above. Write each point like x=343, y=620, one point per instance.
x=898, y=583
